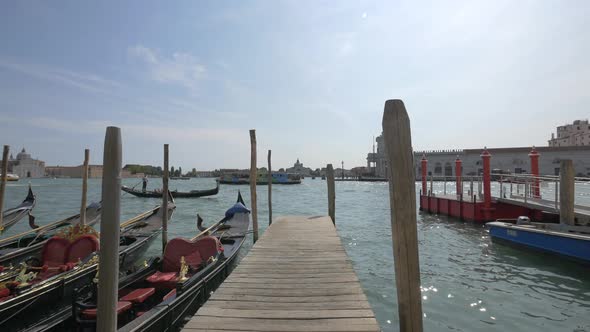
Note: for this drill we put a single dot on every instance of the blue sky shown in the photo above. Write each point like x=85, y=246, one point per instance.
x=310, y=76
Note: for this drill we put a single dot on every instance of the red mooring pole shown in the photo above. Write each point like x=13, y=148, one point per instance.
x=458, y=168
x=487, y=190
x=534, y=155
x=424, y=166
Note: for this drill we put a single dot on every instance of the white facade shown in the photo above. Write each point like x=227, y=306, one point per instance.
x=26, y=167
x=299, y=169
x=513, y=160
x=575, y=134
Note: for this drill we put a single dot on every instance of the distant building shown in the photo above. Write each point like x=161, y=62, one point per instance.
x=26, y=167
x=94, y=171
x=575, y=134
x=299, y=169
x=514, y=160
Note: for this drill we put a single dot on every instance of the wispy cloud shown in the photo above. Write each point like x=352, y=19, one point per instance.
x=180, y=68
x=144, y=131
x=84, y=81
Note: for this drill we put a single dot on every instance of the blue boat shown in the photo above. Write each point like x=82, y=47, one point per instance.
x=569, y=241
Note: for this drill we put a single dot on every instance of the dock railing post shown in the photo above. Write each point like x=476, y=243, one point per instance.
x=108, y=282
x=165, y=200
x=402, y=193
x=534, y=156
x=526, y=190
x=445, y=185
x=331, y=193
x=84, y=187
x=424, y=169
x=253, y=178
x=431, y=182
x=3, y=183
x=487, y=189
x=557, y=195
x=269, y=190
x=458, y=171
x=566, y=193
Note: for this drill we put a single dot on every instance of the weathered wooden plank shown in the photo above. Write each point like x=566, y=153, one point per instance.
x=290, y=292
x=332, y=305
x=285, y=314
x=287, y=299
x=287, y=325
x=278, y=286
x=267, y=280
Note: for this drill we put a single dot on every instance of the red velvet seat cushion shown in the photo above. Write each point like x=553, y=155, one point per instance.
x=122, y=306
x=54, y=251
x=139, y=295
x=208, y=247
x=4, y=292
x=81, y=248
x=162, y=277
x=178, y=247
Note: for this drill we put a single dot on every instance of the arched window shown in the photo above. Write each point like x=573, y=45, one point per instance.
x=438, y=169
x=448, y=169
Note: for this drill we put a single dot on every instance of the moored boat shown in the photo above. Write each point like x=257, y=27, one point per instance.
x=158, y=296
x=14, y=215
x=175, y=193
x=261, y=178
x=37, y=296
x=11, y=177
x=568, y=241
x=15, y=248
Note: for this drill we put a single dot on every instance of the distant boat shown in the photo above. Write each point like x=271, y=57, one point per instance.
x=12, y=216
x=180, y=178
x=11, y=177
x=175, y=194
x=565, y=240
x=262, y=178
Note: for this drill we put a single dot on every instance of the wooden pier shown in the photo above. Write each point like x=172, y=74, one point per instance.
x=297, y=277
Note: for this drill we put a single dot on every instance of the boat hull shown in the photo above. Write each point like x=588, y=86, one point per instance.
x=563, y=244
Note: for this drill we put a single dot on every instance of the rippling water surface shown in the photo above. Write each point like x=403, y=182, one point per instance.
x=468, y=282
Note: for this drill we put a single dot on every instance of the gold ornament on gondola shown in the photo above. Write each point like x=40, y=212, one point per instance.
x=183, y=269
x=23, y=277
x=73, y=232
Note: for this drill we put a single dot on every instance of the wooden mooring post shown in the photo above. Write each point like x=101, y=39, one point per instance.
x=3, y=183
x=402, y=193
x=165, y=200
x=269, y=190
x=331, y=192
x=566, y=193
x=108, y=281
x=253, y=177
x=84, y=187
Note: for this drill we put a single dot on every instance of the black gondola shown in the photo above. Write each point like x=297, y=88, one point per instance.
x=45, y=301
x=158, y=296
x=14, y=215
x=175, y=193
x=18, y=247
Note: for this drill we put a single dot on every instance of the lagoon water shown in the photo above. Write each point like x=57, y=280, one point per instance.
x=468, y=282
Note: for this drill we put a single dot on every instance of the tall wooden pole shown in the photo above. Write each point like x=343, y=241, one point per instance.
x=331, y=193
x=402, y=199
x=3, y=183
x=566, y=193
x=165, y=200
x=84, y=187
x=108, y=282
x=253, y=178
x=269, y=190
